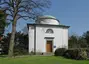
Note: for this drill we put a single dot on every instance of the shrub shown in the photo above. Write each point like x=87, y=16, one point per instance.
x=78, y=54
x=20, y=51
x=71, y=54
x=83, y=54
x=87, y=52
x=59, y=51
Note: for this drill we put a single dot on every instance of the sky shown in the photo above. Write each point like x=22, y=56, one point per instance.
x=73, y=13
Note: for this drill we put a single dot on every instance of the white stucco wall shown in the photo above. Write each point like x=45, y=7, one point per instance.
x=60, y=38
x=31, y=38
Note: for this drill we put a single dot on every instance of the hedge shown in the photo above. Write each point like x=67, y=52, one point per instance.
x=78, y=54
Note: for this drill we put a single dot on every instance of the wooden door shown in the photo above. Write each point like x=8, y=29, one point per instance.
x=49, y=46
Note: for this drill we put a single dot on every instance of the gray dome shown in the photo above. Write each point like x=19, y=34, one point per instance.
x=47, y=19
x=47, y=16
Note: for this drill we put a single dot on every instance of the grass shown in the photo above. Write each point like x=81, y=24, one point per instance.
x=40, y=60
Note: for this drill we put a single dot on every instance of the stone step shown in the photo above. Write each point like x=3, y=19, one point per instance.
x=48, y=54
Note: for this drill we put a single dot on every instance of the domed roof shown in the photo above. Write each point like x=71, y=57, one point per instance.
x=47, y=16
x=47, y=19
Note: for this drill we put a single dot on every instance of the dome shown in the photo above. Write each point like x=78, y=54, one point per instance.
x=47, y=19
x=47, y=16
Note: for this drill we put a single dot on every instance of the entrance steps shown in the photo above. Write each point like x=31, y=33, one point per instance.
x=48, y=54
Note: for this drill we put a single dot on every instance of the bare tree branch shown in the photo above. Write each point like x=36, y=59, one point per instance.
x=26, y=9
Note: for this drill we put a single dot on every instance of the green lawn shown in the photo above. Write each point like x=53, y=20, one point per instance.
x=41, y=60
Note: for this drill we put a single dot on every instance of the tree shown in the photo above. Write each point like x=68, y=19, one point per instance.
x=2, y=22
x=73, y=41
x=26, y=9
x=21, y=43
x=77, y=42
x=86, y=37
x=82, y=42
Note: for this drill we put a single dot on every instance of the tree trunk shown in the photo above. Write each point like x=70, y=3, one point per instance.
x=11, y=45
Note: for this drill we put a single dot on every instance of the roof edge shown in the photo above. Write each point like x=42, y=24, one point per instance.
x=49, y=25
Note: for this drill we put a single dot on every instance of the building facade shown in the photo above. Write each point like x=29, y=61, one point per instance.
x=47, y=34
